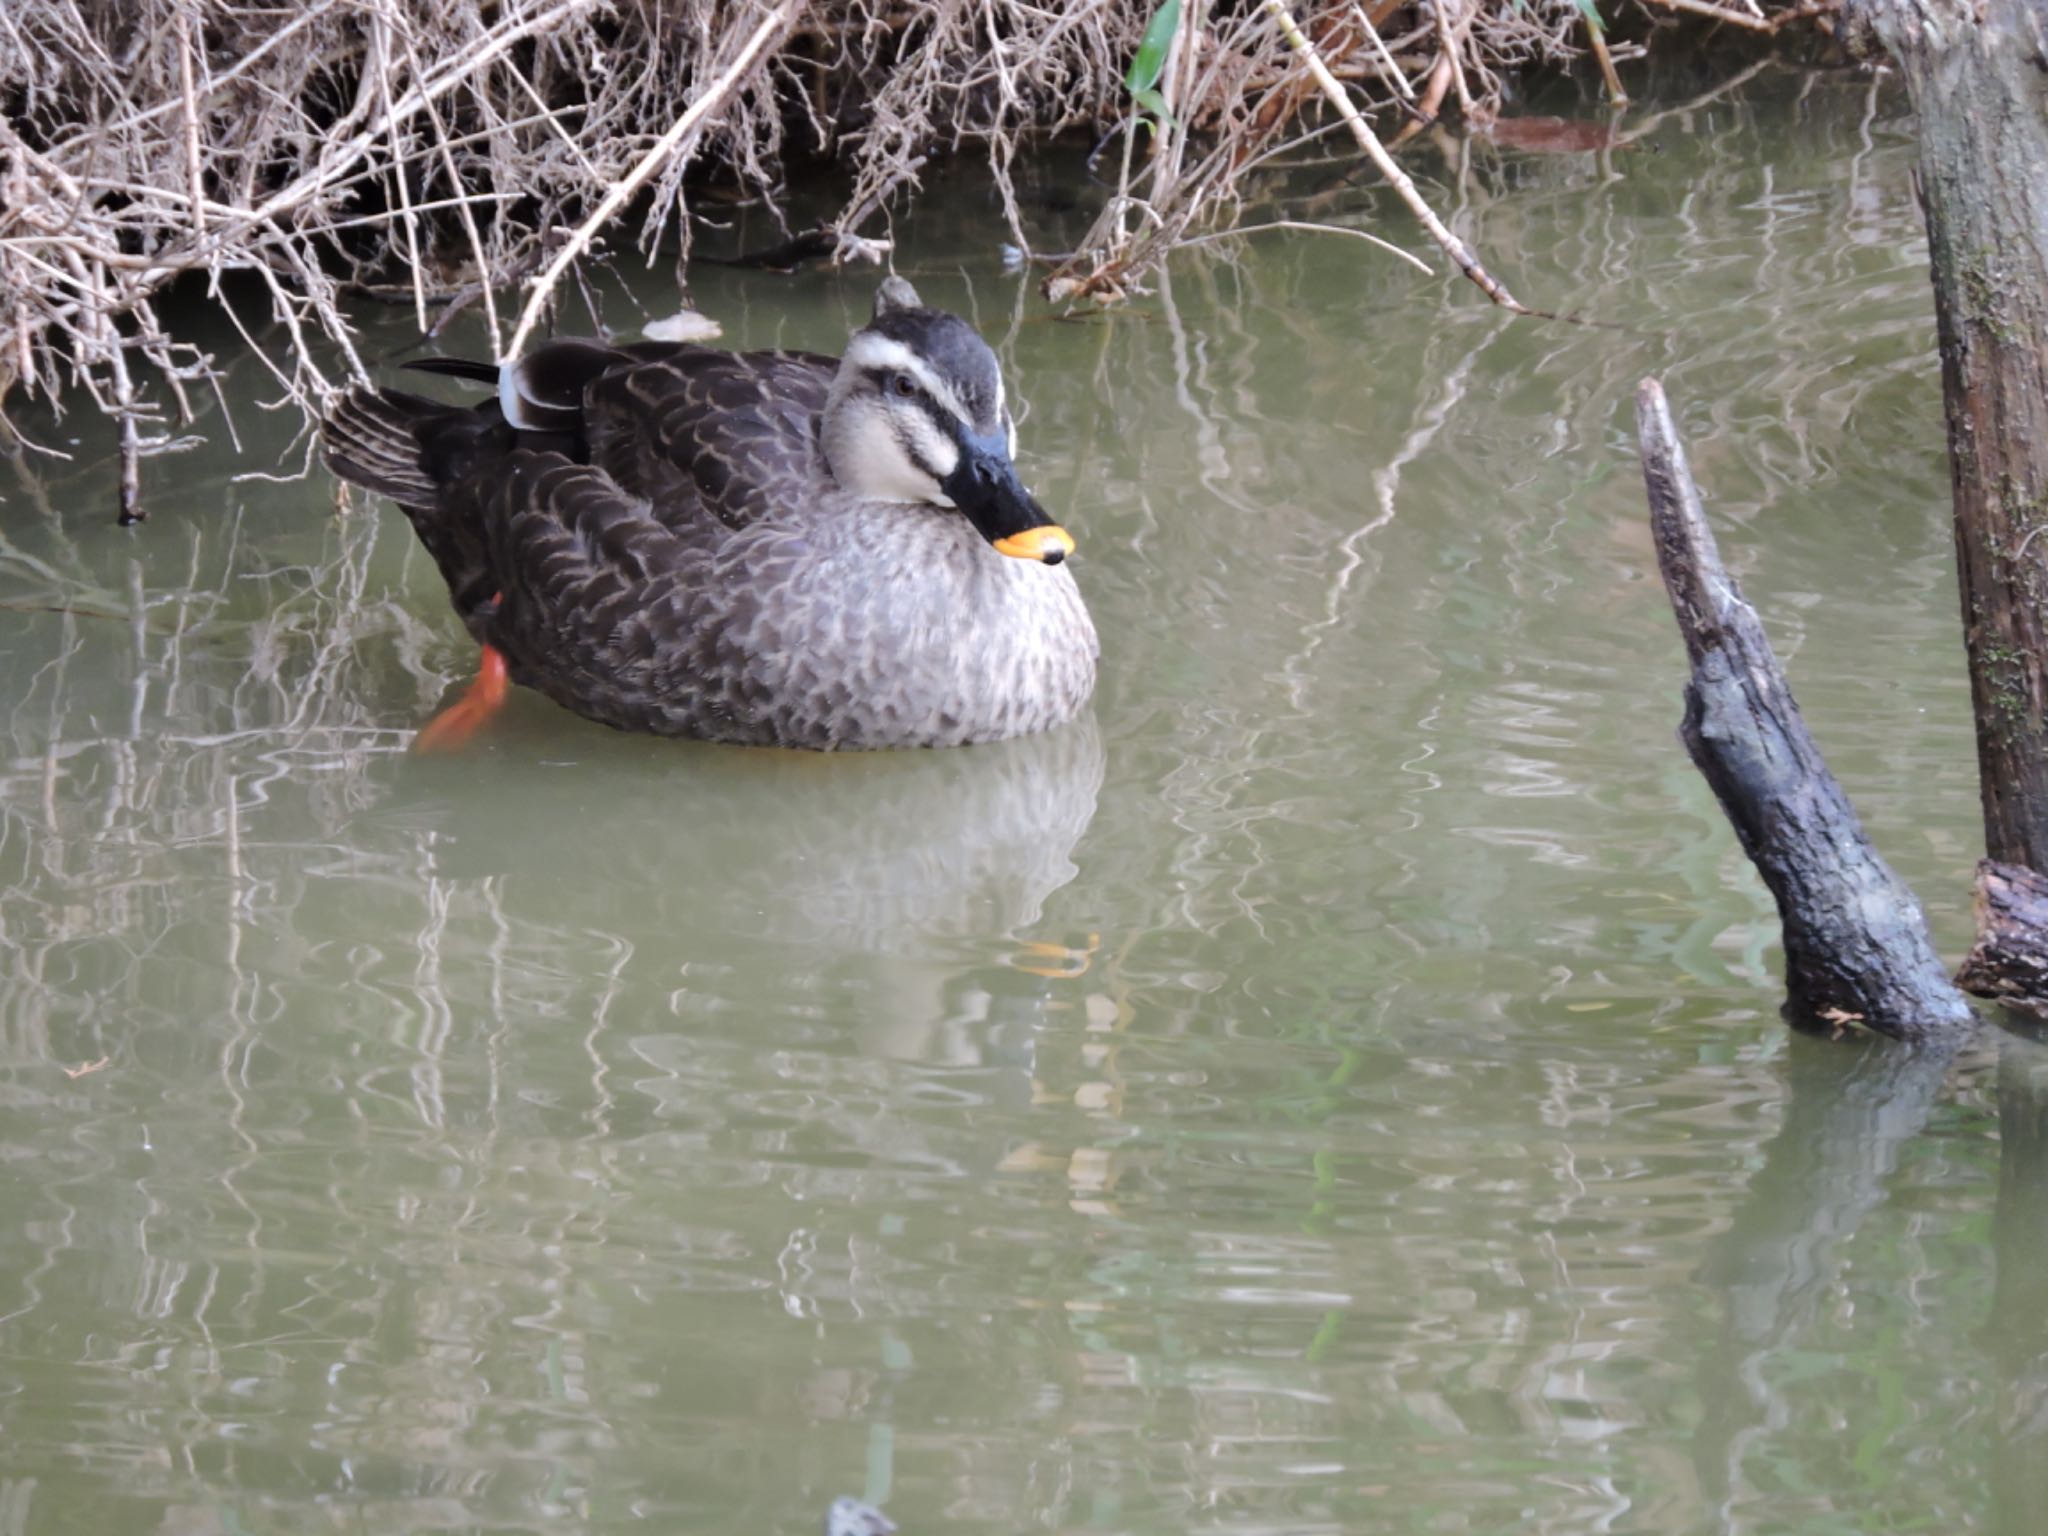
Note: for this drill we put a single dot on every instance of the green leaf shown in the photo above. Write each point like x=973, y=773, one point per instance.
x=1150, y=59
x=1587, y=10
x=1151, y=101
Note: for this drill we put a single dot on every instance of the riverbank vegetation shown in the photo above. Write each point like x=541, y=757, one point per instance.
x=461, y=154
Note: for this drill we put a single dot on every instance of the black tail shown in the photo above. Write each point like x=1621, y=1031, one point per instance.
x=547, y=384
x=406, y=446
x=414, y=450
x=456, y=368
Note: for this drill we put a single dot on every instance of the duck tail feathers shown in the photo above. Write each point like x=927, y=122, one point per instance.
x=369, y=439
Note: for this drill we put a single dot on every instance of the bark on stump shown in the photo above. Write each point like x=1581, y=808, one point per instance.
x=1856, y=943
x=2010, y=960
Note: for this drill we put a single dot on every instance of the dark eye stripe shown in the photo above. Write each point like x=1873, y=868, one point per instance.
x=940, y=416
x=912, y=445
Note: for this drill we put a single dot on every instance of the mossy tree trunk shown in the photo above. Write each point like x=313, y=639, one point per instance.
x=1977, y=72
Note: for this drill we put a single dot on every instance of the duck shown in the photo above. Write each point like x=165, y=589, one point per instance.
x=774, y=548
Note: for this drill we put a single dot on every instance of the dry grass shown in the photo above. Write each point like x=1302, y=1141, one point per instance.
x=446, y=150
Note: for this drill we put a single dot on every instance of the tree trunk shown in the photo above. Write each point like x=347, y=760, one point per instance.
x=1977, y=72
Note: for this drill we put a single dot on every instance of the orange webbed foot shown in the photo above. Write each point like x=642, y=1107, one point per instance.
x=457, y=725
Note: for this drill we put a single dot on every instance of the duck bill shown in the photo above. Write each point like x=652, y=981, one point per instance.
x=1048, y=542
x=986, y=487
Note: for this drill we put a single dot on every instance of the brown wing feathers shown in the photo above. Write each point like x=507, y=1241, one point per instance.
x=368, y=440
x=594, y=539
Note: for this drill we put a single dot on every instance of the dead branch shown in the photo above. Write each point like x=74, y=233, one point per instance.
x=1459, y=252
x=1856, y=944
x=1754, y=19
x=671, y=144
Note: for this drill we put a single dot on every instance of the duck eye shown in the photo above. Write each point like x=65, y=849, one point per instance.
x=902, y=386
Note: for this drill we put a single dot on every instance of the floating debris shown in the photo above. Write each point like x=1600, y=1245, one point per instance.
x=683, y=325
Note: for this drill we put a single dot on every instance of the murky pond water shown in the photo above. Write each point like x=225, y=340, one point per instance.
x=1338, y=1088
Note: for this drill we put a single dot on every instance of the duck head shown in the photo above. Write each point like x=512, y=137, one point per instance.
x=916, y=413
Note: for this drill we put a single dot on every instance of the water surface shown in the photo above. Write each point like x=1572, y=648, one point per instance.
x=1336, y=1088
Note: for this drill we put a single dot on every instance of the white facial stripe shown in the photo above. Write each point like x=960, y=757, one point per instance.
x=872, y=352
x=930, y=449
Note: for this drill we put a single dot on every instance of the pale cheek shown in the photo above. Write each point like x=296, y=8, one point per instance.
x=899, y=479
x=941, y=454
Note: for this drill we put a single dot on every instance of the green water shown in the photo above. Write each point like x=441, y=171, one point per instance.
x=1337, y=1089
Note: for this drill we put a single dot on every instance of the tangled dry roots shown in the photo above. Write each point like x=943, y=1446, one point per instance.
x=449, y=148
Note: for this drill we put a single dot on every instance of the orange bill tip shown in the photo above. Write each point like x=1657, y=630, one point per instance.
x=1048, y=542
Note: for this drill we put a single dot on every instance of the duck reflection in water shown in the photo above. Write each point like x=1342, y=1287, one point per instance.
x=850, y=1517
x=771, y=873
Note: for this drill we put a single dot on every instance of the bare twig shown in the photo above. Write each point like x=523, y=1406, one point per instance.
x=1597, y=41
x=1321, y=229
x=680, y=134
x=1388, y=68
x=195, y=176
x=1734, y=18
x=1447, y=37
x=1456, y=249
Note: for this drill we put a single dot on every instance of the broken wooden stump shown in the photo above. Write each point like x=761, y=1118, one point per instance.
x=1856, y=943
x=2009, y=962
